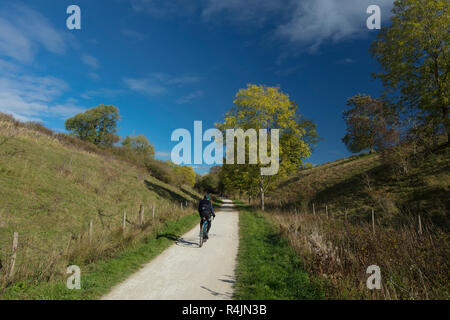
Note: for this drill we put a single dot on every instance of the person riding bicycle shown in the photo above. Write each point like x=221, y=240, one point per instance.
x=205, y=209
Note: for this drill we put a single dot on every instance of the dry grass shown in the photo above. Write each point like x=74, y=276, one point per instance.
x=413, y=265
x=342, y=246
x=52, y=185
x=42, y=260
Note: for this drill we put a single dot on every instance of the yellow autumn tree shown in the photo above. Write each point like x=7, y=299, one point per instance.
x=262, y=107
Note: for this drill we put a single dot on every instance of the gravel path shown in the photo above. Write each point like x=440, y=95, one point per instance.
x=185, y=271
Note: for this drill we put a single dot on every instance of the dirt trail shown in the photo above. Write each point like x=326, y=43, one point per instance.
x=185, y=271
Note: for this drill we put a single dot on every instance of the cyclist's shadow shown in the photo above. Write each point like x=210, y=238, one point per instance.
x=187, y=243
x=190, y=242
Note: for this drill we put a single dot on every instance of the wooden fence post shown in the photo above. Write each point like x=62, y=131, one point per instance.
x=14, y=254
x=90, y=231
x=314, y=210
x=124, y=221
x=326, y=210
x=420, y=225
x=141, y=215
x=153, y=209
x=373, y=221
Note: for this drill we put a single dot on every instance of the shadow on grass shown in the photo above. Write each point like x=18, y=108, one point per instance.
x=164, y=192
x=170, y=236
x=194, y=196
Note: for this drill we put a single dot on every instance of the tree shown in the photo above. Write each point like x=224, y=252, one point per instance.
x=367, y=122
x=261, y=107
x=185, y=175
x=139, y=144
x=97, y=125
x=414, y=56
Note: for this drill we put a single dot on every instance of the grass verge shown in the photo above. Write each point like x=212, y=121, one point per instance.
x=99, y=277
x=268, y=269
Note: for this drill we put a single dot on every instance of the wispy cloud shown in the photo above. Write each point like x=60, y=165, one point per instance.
x=174, y=80
x=159, y=83
x=33, y=98
x=188, y=98
x=93, y=75
x=161, y=8
x=346, y=61
x=8, y=66
x=134, y=35
x=145, y=86
x=307, y=24
x=248, y=12
x=315, y=22
x=103, y=93
x=162, y=154
x=23, y=31
x=90, y=61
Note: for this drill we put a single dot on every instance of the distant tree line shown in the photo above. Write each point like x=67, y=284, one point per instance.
x=99, y=126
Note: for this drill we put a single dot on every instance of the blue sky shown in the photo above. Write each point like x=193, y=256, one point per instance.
x=167, y=63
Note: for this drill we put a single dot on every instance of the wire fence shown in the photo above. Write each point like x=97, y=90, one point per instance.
x=44, y=254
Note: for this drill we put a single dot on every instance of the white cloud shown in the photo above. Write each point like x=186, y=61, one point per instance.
x=307, y=23
x=8, y=66
x=346, y=61
x=103, y=93
x=132, y=34
x=174, y=80
x=144, y=86
x=159, y=8
x=24, y=30
x=90, y=61
x=158, y=83
x=249, y=12
x=93, y=76
x=162, y=154
x=188, y=98
x=315, y=22
x=33, y=98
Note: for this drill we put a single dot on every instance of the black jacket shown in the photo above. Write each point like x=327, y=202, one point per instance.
x=205, y=208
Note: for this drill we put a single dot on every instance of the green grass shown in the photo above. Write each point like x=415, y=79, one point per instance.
x=358, y=184
x=50, y=191
x=268, y=269
x=99, y=277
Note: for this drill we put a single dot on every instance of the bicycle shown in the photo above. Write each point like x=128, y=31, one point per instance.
x=203, y=231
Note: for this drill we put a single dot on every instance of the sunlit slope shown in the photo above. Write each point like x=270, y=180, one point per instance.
x=358, y=183
x=50, y=191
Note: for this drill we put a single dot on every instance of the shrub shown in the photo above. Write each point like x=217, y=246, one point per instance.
x=39, y=127
x=160, y=170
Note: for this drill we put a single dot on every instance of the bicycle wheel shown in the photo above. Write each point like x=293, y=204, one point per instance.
x=203, y=233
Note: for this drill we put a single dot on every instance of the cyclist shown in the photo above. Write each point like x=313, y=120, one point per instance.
x=205, y=209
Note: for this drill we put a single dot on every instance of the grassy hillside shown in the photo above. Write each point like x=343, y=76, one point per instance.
x=51, y=190
x=360, y=183
x=325, y=213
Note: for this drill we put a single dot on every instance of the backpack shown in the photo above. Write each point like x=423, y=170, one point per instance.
x=204, y=208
